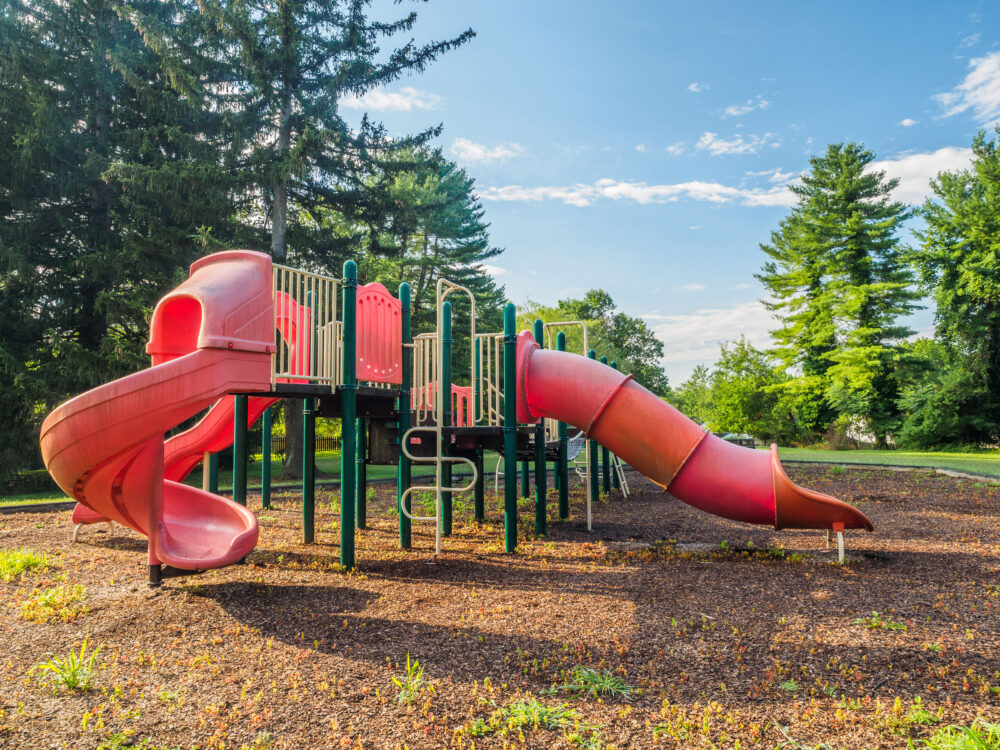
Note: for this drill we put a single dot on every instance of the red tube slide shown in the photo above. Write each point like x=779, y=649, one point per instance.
x=696, y=467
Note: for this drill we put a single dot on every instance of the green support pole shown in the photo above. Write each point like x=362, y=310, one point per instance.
x=362, y=447
x=541, y=512
x=213, y=474
x=509, y=428
x=240, y=450
x=265, y=460
x=595, y=487
x=615, y=481
x=403, y=467
x=446, y=342
x=562, y=470
x=479, y=497
x=606, y=457
x=479, y=491
x=525, y=484
x=308, y=470
x=349, y=403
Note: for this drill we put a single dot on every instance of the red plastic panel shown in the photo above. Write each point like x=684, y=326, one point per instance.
x=380, y=335
x=462, y=412
x=294, y=322
x=461, y=406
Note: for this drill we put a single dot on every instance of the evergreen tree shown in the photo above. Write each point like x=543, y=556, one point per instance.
x=285, y=67
x=839, y=286
x=109, y=177
x=958, y=265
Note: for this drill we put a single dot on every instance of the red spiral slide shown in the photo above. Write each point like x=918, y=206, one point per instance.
x=211, y=336
x=654, y=438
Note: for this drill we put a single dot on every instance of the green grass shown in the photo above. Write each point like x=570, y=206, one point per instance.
x=981, y=735
x=13, y=562
x=73, y=672
x=326, y=461
x=985, y=462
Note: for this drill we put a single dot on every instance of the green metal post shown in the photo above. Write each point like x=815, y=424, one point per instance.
x=240, y=450
x=525, y=484
x=265, y=460
x=562, y=470
x=479, y=491
x=446, y=395
x=479, y=495
x=509, y=428
x=362, y=447
x=308, y=470
x=541, y=512
x=595, y=488
x=615, y=481
x=403, y=467
x=309, y=445
x=606, y=457
x=349, y=403
x=213, y=474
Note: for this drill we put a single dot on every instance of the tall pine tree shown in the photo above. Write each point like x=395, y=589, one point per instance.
x=959, y=265
x=109, y=174
x=839, y=286
x=285, y=66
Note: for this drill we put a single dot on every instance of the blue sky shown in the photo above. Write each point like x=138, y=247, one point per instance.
x=645, y=147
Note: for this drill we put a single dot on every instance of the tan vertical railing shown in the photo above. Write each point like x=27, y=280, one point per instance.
x=313, y=355
x=490, y=391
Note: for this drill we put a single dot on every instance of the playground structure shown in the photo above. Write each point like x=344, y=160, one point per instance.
x=242, y=333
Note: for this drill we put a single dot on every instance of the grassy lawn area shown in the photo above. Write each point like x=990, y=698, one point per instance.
x=987, y=462
x=327, y=462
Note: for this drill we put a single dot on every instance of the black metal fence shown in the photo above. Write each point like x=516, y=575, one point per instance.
x=322, y=444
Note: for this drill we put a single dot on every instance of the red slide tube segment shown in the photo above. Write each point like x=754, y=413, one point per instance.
x=698, y=468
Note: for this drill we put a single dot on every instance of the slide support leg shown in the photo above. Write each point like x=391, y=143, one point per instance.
x=362, y=462
x=593, y=491
x=308, y=470
x=403, y=465
x=240, y=450
x=265, y=460
x=479, y=499
x=562, y=469
x=510, y=428
x=348, y=414
x=541, y=489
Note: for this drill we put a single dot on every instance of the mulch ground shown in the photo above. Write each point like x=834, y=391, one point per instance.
x=732, y=635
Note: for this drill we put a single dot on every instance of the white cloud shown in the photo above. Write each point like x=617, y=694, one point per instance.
x=738, y=110
x=751, y=144
x=493, y=270
x=775, y=176
x=694, y=287
x=979, y=92
x=695, y=227
x=907, y=123
x=675, y=150
x=698, y=87
x=970, y=41
x=694, y=338
x=642, y=193
x=738, y=287
x=406, y=99
x=641, y=147
x=915, y=171
x=471, y=152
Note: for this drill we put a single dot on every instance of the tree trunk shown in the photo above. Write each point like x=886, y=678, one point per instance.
x=279, y=238
x=293, y=440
